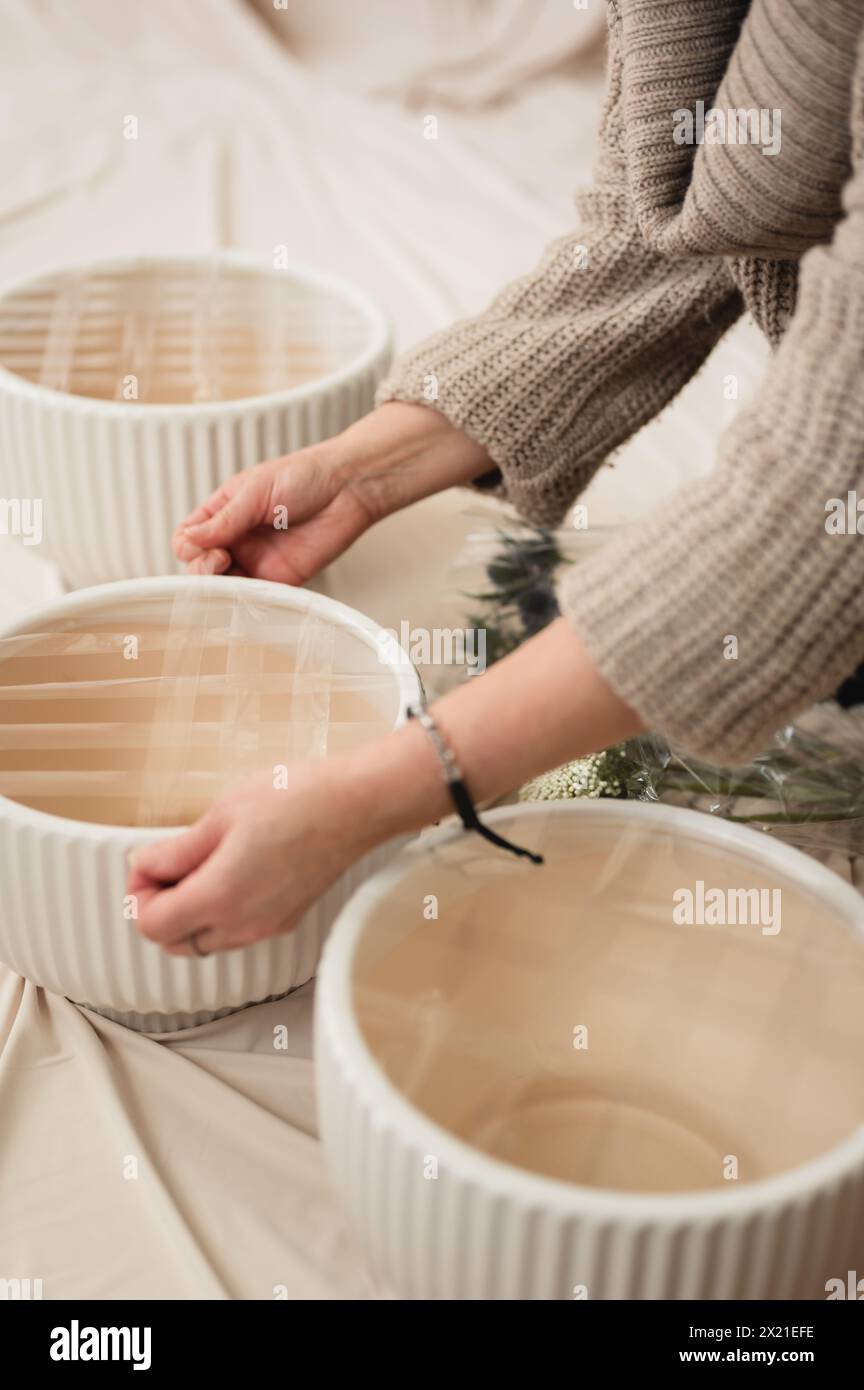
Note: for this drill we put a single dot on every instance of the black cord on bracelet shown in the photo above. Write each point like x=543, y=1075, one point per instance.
x=460, y=794
x=471, y=821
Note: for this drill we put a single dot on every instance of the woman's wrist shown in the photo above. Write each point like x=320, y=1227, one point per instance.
x=535, y=709
x=395, y=785
x=400, y=453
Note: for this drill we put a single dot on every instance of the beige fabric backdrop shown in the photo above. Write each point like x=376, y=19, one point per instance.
x=188, y=1167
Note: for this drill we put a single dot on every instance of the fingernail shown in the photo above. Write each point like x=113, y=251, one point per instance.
x=132, y=859
x=197, y=528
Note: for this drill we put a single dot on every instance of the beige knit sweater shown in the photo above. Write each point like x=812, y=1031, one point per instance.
x=572, y=359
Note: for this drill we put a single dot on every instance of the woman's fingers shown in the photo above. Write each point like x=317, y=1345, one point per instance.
x=179, y=885
x=212, y=903
x=231, y=517
x=169, y=916
x=184, y=549
x=208, y=562
x=192, y=541
x=212, y=504
x=211, y=940
x=166, y=861
x=240, y=526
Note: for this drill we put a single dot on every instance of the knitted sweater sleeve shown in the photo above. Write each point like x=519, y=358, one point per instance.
x=743, y=602
x=570, y=360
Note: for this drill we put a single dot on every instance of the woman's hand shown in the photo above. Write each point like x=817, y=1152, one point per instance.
x=288, y=518
x=253, y=864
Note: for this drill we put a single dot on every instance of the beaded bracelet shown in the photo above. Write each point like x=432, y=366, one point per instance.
x=459, y=792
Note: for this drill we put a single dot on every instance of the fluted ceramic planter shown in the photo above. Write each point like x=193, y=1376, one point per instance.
x=99, y=753
x=551, y=1083
x=131, y=389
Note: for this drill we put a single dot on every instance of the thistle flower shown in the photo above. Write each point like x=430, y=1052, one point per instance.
x=520, y=600
x=538, y=607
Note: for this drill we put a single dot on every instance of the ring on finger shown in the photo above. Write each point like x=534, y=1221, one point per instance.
x=192, y=941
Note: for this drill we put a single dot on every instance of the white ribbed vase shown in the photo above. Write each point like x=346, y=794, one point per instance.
x=115, y=478
x=62, y=919
x=484, y=1229
x=62, y=927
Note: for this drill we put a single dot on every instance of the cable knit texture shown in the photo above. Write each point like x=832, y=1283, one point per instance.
x=675, y=238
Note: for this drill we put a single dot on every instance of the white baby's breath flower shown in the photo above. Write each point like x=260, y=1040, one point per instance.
x=600, y=774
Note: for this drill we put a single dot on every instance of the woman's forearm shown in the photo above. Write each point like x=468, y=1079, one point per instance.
x=539, y=707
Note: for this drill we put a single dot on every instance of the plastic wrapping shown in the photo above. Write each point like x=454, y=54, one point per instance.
x=144, y=716
x=181, y=332
x=806, y=789
x=667, y=1004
